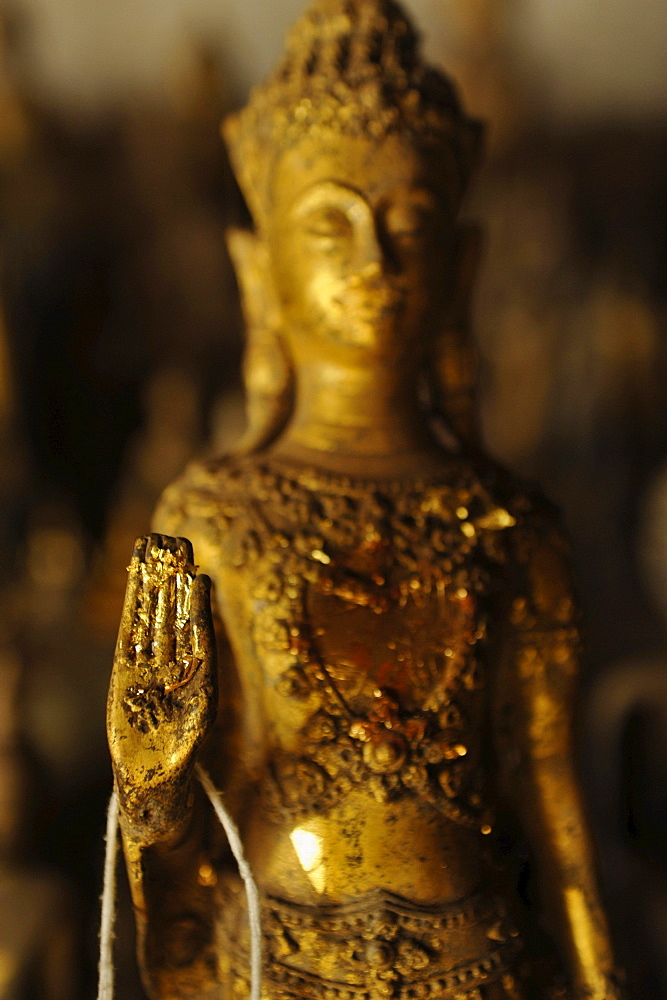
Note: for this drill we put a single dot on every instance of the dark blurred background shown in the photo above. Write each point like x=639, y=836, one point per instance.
x=120, y=340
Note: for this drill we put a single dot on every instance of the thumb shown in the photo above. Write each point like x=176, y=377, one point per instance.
x=201, y=623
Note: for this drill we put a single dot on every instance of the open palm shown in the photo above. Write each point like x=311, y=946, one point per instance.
x=162, y=698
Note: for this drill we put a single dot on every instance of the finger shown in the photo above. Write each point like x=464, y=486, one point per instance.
x=161, y=626
x=173, y=549
x=130, y=633
x=153, y=609
x=125, y=645
x=183, y=581
x=169, y=571
x=145, y=614
x=201, y=619
x=183, y=584
x=204, y=648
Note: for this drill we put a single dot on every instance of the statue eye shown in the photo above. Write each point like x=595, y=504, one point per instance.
x=408, y=221
x=328, y=223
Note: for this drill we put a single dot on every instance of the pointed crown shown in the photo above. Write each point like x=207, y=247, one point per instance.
x=351, y=67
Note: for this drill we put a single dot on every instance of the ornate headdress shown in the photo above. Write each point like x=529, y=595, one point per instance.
x=352, y=67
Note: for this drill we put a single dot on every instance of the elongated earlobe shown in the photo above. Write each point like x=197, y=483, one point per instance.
x=250, y=257
x=267, y=372
x=468, y=255
x=454, y=372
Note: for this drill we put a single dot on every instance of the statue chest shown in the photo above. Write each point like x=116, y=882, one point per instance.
x=367, y=611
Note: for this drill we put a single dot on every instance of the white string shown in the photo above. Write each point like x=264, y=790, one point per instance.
x=252, y=894
x=106, y=971
x=105, y=990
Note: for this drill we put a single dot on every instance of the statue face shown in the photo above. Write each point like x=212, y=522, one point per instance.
x=361, y=242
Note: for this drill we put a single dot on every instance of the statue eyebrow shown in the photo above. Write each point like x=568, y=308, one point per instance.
x=341, y=192
x=423, y=192
x=310, y=198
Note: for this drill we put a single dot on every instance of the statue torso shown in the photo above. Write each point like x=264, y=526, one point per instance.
x=363, y=618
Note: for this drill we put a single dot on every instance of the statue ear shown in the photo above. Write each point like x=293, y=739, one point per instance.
x=467, y=257
x=454, y=367
x=267, y=372
x=250, y=257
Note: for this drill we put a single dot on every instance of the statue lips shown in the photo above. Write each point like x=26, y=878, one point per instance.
x=380, y=305
x=374, y=292
x=374, y=309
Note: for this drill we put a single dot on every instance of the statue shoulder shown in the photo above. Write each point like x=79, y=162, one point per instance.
x=521, y=497
x=194, y=503
x=541, y=553
x=538, y=544
x=518, y=502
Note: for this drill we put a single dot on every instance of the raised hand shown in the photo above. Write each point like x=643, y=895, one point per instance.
x=162, y=698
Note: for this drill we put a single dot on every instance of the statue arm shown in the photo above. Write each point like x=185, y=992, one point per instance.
x=161, y=708
x=535, y=704
x=174, y=909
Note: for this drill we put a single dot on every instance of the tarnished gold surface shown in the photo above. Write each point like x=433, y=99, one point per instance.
x=397, y=634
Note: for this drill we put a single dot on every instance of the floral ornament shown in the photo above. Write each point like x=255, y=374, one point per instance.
x=389, y=956
x=395, y=754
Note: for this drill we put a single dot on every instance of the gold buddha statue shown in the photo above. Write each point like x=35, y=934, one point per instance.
x=397, y=638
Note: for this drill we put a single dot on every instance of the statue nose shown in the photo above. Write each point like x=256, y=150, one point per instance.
x=372, y=270
x=371, y=265
x=369, y=276
x=370, y=262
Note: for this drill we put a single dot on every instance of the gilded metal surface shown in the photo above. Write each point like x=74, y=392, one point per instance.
x=397, y=634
